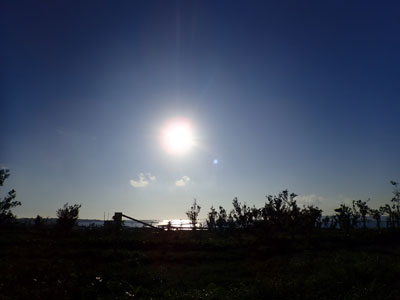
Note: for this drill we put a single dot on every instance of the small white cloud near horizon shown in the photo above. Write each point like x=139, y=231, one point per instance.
x=310, y=199
x=151, y=177
x=144, y=180
x=183, y=181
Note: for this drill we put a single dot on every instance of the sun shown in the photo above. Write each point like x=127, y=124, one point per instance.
x=177, y=136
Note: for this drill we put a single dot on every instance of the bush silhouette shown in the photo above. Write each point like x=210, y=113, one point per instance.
x=241, y=213
x=311, y=217
x=67, y=216
x=212, y=219
x=282, y=214
x=38, y=221
x=222, y=219
x=344, y=216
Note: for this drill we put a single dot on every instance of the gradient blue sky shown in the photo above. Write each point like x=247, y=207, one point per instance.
x=301, y=95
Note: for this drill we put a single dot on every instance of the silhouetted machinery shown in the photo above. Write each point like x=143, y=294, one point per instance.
x=118, y=220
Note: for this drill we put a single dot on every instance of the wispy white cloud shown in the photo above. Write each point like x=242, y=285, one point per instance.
x=183, y=181
x=151, y=177
x=144, y=180
x=310, y=199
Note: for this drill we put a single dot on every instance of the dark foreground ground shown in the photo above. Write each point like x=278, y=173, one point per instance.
x=137, y=264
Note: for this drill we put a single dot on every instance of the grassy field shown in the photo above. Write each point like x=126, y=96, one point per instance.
x=139, y=264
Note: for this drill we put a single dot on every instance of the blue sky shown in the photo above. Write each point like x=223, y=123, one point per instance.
x=285, y=94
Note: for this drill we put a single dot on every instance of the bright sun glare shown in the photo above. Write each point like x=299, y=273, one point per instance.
x=177, y=137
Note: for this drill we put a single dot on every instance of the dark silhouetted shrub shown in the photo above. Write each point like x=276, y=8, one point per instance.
x=222, y=218
x=68, y=216
x=38, y=221
x=344, y=217
x=212, y=219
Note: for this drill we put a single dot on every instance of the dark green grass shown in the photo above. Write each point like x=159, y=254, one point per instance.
x=138, y=264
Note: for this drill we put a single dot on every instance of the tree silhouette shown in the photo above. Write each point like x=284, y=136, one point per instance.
x=242, y=214
x=68, y=216
x=274, y=211
x=193, y=213
x=396, y=203
x=325, y=221
x=361, y=209
x=254, y=215
x=212, y=219
x=38, y=221
x=344, y=217
x=387, y=209
x=282, y=212
x=231, y=220
x=4, y=173
x=222, y=218
x=311, y=217
x=8, y=202
x=377, y=215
